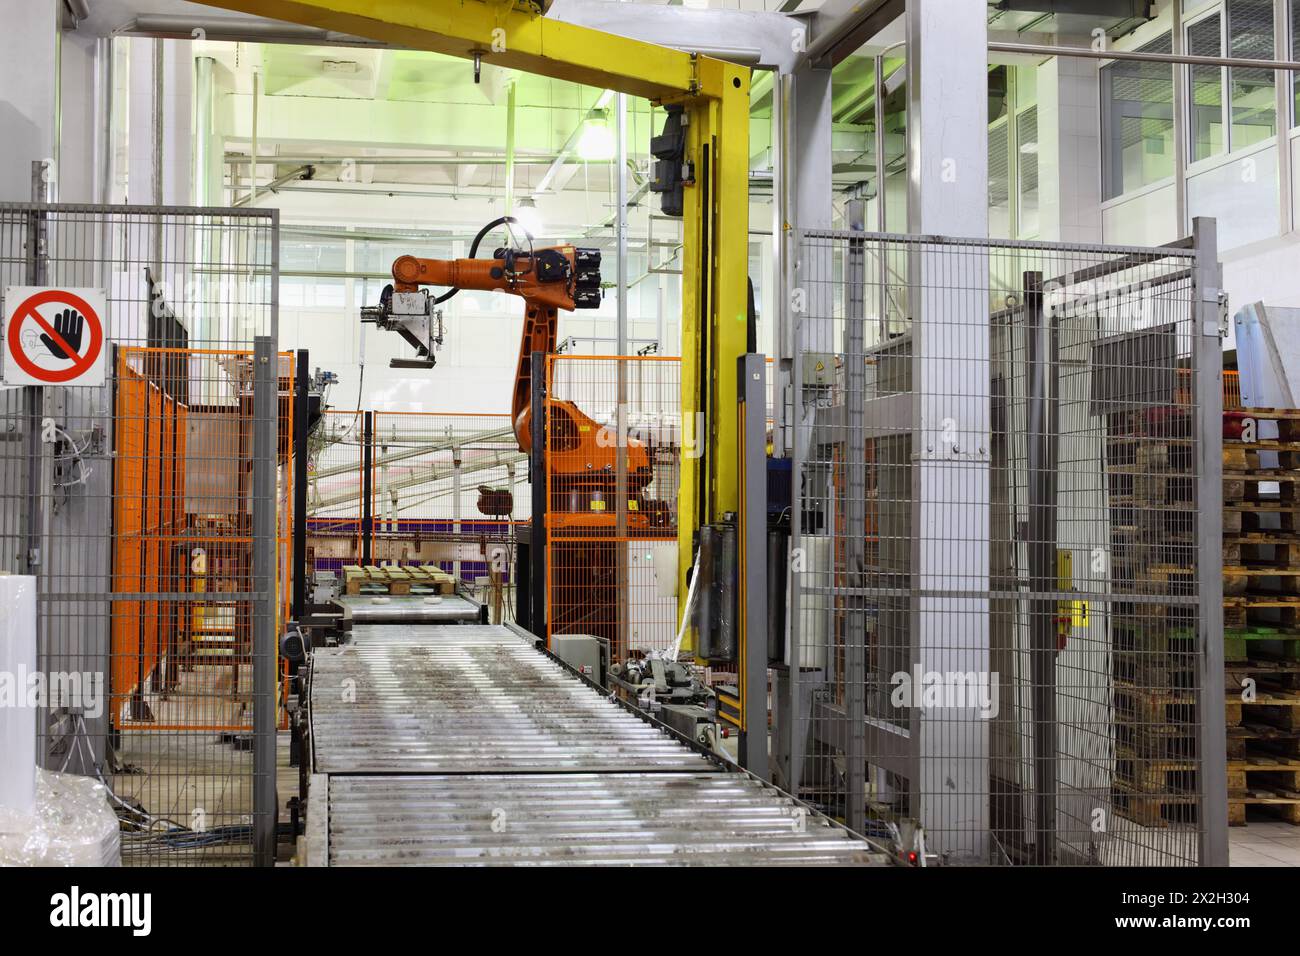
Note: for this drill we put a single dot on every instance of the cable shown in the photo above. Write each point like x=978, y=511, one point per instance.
x=506, y=221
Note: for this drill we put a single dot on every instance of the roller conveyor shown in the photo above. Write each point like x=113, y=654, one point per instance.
x=464, y=744
x=552, y=819
x=466, y=699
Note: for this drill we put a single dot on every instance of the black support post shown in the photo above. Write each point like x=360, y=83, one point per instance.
x=537, y=475
x=367, y=489
x=301, y=412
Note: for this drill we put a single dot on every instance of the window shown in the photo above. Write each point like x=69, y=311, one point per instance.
x=1206, y=114
x=1137, y=121
x=1250, y=33
x=999, y=182
x=1250, y=116
x=1027, y=163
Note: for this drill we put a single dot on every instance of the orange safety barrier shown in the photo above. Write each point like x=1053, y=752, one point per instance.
x=180, y=651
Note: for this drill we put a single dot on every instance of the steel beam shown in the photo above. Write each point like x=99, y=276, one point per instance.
x=753, y=37
x=504, y=36
x=840, y=27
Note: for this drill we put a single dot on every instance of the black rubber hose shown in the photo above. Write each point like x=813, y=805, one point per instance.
x=473, y=248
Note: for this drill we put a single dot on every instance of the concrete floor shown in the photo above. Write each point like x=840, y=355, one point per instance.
x=1264, y=843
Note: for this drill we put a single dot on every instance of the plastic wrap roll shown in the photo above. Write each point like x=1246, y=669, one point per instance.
x=17, y=718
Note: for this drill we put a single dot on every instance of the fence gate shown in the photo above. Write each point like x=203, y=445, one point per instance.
x=1006, y=604
x=153, y=512
x=611, y=558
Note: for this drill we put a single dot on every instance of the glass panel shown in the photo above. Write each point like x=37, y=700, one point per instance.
x=1295, y=45
x=1138, y=119
x=999, y=183
x=1027, y=144
x=1250, y=35
x=1206, y=116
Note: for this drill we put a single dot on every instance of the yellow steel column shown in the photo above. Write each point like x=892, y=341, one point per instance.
x=714, y=301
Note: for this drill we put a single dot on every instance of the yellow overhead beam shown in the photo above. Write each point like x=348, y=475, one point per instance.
x=503, y=35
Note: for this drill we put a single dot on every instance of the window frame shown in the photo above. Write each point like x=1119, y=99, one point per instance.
x=1110, y=167
x=1220, y=9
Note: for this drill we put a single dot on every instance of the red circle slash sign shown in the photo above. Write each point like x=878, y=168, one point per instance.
x=80, y=363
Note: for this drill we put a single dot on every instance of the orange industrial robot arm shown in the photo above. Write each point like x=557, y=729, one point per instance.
x=560, y=277
x=548, y=280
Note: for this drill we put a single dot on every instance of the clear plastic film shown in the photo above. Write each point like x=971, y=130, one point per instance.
x=72, y=825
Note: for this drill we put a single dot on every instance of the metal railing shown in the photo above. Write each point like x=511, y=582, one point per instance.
x=1005, y=613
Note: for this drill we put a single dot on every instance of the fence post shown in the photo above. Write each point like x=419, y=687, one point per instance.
x=265, y=444
x=1041, y=454
x=537, y=540
x=752, y=520
x=367, y=486
x=301, y=409
x=1208, y=408
x=855, y=636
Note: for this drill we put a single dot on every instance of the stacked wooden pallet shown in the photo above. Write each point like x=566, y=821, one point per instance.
x=397, y=580
x=1261, y=610
x=1151, y=493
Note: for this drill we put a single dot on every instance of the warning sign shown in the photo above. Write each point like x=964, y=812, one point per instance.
x=54, y=336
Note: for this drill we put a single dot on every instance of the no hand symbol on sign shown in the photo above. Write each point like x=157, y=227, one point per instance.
x=53, y=336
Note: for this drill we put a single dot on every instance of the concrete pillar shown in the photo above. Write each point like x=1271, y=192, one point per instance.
x=947, y=118
x=79, y=123
x=28, y=91
x=158, y=122
x=947, y=127
x=1069, y=150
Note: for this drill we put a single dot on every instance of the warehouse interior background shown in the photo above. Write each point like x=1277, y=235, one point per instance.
x=1063, y=165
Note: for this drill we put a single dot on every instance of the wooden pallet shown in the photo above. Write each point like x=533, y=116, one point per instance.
x=1144, y=706
x=1241, y=517
x=1267, y=740
x=397, y=580
x=1156, y=776
x=1278, y=708
x=1275, y=673
x=1260, y=582
x=1154, y=810
x=1264, y=781
x=1279, y=771
x=1244, y=549
x=1144, y=453
x=1154, y=670
x=1132, y=634
x=1169, y=741
x=1286, y=419
x=1161, y=422
x=1279, y=805
x=1249, y=457
x=1247, y=613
